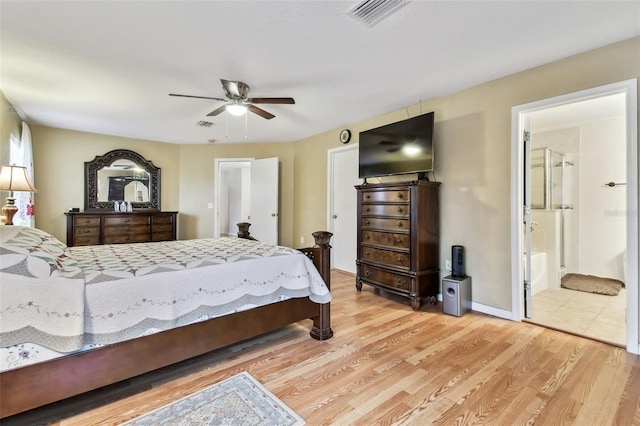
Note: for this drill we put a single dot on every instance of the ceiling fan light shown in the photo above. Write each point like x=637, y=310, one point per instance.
x=236, y=109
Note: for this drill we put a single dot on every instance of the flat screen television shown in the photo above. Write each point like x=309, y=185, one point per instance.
x=397, y=148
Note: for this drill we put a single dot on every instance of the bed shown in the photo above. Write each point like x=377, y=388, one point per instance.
x=76, y=319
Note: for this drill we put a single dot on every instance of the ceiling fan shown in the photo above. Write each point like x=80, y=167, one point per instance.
x=238, y=101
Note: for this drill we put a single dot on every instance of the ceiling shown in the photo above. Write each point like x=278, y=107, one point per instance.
x=108, y=66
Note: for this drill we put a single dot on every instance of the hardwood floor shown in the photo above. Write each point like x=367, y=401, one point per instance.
x=387, y=364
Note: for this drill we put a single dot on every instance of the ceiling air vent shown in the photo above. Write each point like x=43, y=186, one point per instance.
x=373, y=11
x=203, y=123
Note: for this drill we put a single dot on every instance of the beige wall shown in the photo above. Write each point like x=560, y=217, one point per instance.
x=472, y=160
x=472, y=154
x=59, y=156
x=197, y=184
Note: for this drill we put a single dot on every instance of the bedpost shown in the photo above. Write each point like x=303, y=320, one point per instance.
x=243, y=230
x=320, y=254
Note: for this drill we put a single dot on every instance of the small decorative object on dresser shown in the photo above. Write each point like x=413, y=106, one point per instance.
x=398, y=239
x=112, y=227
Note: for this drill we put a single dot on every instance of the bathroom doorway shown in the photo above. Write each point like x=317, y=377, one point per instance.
x=582, y=185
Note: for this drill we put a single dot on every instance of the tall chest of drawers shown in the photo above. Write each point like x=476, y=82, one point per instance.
x=91, y=228
x=398, y=239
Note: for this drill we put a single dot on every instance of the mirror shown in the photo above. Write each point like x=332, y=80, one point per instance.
x=121, y=175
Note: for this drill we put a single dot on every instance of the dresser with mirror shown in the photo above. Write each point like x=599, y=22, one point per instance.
x=122, y=203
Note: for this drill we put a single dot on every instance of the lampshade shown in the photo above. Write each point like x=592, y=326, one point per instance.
x=15, y=178
x=236, y=109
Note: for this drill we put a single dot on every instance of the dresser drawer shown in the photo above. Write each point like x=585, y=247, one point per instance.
x=86, y=231
x=127, y=238
x=86, y=240
x=386, y=239
x=390, y=224
x=133, y=229
x=86, y=221
x=400, y=210
x=162, y=236
x=162, y=219
x=385, y=196
x=388, y=257
x=126, y=220
x=163, y=227
x=382, y=277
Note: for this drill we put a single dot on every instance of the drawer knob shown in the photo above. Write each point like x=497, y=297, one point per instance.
x=399, y=209
x=367, y=273
x=399, y=259
x=366, y=236
x=399, y=224
x=367, y=253
x=368, y=196
x=400, y=282
x=366, y=221
x=400, y=195
x=86, y=231
x=399, y=241
x=368, y=209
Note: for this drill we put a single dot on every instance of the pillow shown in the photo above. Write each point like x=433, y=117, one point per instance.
x=33, y=253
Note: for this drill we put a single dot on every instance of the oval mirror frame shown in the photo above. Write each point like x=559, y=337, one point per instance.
x=91, y=169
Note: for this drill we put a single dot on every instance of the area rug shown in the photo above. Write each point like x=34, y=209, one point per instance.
x=592, y=284
x=238, y=400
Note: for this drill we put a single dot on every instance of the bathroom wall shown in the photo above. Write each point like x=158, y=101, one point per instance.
x=595, y=220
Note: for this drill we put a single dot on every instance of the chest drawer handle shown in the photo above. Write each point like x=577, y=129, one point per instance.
x=400, y=195
x=368, y=196
x=399, y=241
x=366, y=222
x=400, y=282
x=367, y=273
x=367, y=253
x=368, y=209
x=366, y=236
x=399, y=259
x=399, y=224
x=86, y=231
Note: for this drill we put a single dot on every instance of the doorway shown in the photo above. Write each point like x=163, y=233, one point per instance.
x=576, y=195
x=246, y=190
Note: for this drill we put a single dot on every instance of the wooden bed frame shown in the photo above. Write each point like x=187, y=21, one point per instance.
x=32, y=386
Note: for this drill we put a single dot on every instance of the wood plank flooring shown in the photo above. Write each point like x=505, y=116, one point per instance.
x=389, y=365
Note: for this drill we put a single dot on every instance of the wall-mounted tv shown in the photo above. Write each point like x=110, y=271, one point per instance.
x=397, y=148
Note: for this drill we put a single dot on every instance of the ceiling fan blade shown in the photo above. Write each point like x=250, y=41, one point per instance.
x=217, y=111
x=197, y=97
x=262, y=113
x=272, y=100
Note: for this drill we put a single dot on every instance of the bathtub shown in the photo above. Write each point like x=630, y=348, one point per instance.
x=539, y=273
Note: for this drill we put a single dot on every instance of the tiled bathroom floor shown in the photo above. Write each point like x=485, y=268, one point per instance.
x=592, y=315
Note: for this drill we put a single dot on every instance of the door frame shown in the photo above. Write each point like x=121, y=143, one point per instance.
x=629, y=88
x=217, y=169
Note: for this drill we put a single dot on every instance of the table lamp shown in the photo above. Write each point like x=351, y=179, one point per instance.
x=13, y=178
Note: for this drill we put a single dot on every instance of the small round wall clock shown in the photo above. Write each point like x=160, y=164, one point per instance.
x=345, y=136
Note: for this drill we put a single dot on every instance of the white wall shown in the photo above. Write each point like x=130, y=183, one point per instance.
x=595, y=229
x=602, y=219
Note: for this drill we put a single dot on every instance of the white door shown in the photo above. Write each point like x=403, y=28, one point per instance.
x=343, y=176
x=264, y=200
